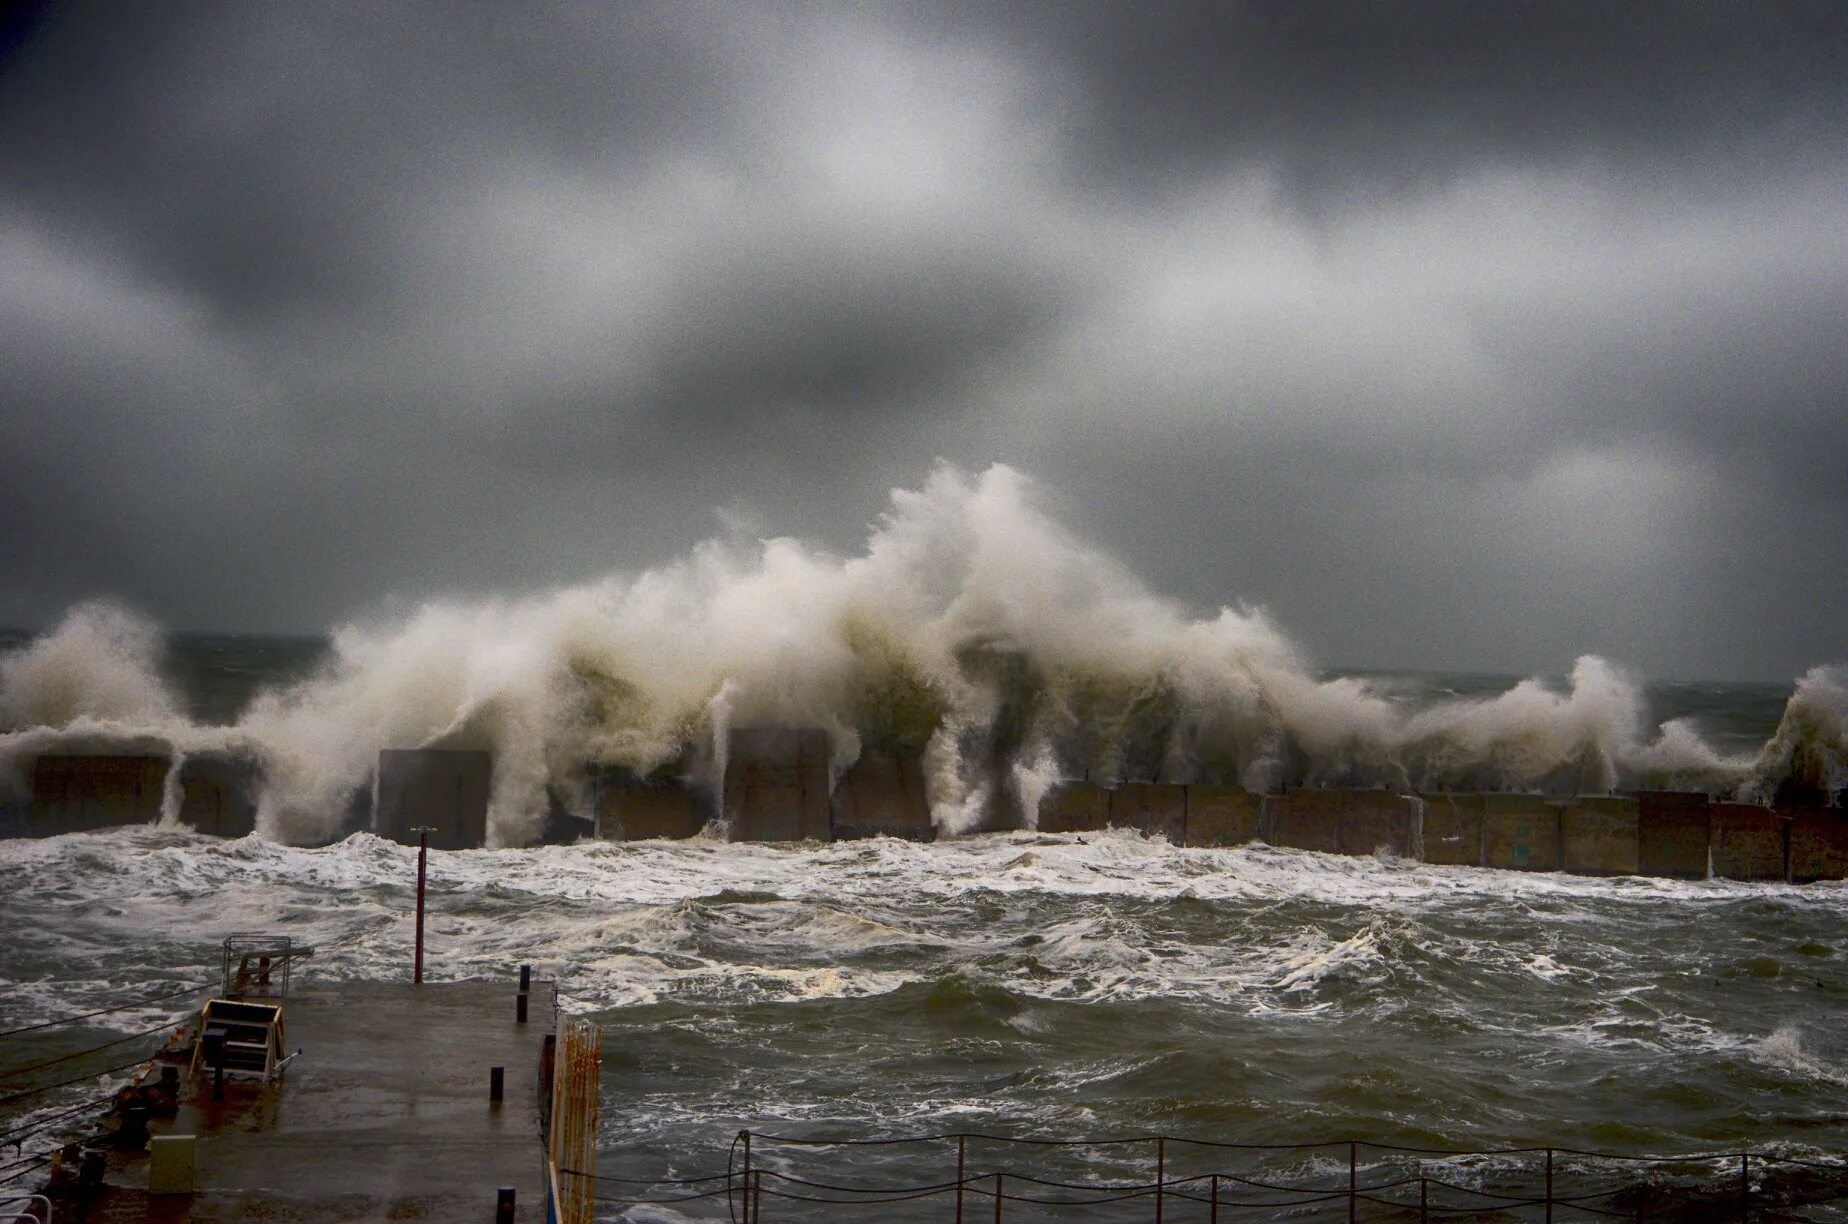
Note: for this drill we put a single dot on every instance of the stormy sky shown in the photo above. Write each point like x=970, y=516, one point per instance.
x=1455, y=335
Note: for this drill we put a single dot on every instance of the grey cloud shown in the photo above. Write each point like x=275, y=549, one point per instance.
x=1459, y=335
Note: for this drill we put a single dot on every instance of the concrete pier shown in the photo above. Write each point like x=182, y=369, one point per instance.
x=1344, y=821
x=882, y=793
x=1074, y=807
x=1749, y=842
x=75, y=794
x=384, y=1115
x=444, y=788
x=1597, y=835
x=776, y=784
x=1520, y=832
x=1453, y=829
x=218, y=794
x=1222, y=815
x=1674, y=830
x=1157, y=809
x=631, y=807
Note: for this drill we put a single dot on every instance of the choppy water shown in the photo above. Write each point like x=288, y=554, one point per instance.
x=1028, y=985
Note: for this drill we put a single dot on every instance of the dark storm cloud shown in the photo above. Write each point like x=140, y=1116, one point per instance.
x=1461, y=335
x=1344, y=96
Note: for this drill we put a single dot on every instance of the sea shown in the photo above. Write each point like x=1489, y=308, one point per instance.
x=1325, y=1021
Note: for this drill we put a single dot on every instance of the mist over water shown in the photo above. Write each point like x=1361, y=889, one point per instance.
x=971, y=628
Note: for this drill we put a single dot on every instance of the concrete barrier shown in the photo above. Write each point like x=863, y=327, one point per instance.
x=1157, y=809
x=882, y=794
x=1375, y=820
x=1453, y=829
x=631, y=807
x=1597, y=835
x=776, y=784
x=1520, y=832
x=1750, y=842
x=1074, y=807
x=1674, y=833
x=1818, y=843
x=218, y=794
x=1304, y=820
x=1222, y=815
x=445, y=788
x=75, y=794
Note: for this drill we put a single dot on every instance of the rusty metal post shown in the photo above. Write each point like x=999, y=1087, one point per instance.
x=423, y=862
x=526, y=978
x=1000, y=1197
x=519, y=1008
x=1353, y=1192
x=747, y=1175
x=1213, y=1217
x=504, y=1205
x=1161, y=1177
x=1745, y=1186
x=757, y=1197
x=497, y=1084
x=1549, y=1186
x=962, y=1150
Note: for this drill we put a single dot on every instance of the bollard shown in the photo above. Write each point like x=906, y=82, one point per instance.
x=526, y=978
x=497, y=1084
x=503, y=1205
x=520, y=1009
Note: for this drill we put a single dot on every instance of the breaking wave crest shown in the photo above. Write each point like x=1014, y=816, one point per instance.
x=972, y=629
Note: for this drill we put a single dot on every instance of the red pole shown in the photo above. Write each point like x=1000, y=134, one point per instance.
x=423, y=859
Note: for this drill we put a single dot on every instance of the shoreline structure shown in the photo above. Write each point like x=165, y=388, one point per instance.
x=778, y=786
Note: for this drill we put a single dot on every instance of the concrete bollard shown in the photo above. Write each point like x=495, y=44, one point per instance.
x=503, y=1205
x=520, y=1008
x=497, y=1084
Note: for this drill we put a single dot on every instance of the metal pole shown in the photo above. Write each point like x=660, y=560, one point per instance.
x=1353, y=1194
x=757, y=1196
x=423, y=861
x=1549, y=1186
x=747, y=1176
x=1000, y=1194
x=1745, y=1185
x=962, y=1143
x=1424, y=1200
x=1161, y=1176
x=1213, y=1218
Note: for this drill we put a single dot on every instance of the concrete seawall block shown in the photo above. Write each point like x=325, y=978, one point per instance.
x=1074, y=807
x=633, y=807
x=1222, y=815
x=218, y=794
x=882, y=794
x=1818, y=843
x=1750, y=842
x=1158, y=809
x=1598, y=835
x=1453, y=829
x=1520, y=832
x=1303, y=819
x=1375, y=820
x=776, y=784
x=1674, y=830
x=74, y=794
x=445, y=788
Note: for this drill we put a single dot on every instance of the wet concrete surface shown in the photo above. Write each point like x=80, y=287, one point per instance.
x=384, y=1115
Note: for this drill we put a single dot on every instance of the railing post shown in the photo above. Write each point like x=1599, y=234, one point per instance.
x=746, y=1135
x=1424, y=1199
x=1745, y=1186
x=962, y=1150
x=757, y=1196
x=1213, y=1217
x=1000, y=1197
x=1549, y=1186
x=1161, y=1177
x=1353, y=1192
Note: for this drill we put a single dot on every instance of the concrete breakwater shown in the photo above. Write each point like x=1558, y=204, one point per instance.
x=778, y=785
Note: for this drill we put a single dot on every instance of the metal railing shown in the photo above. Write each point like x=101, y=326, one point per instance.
x=1366, y=1179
